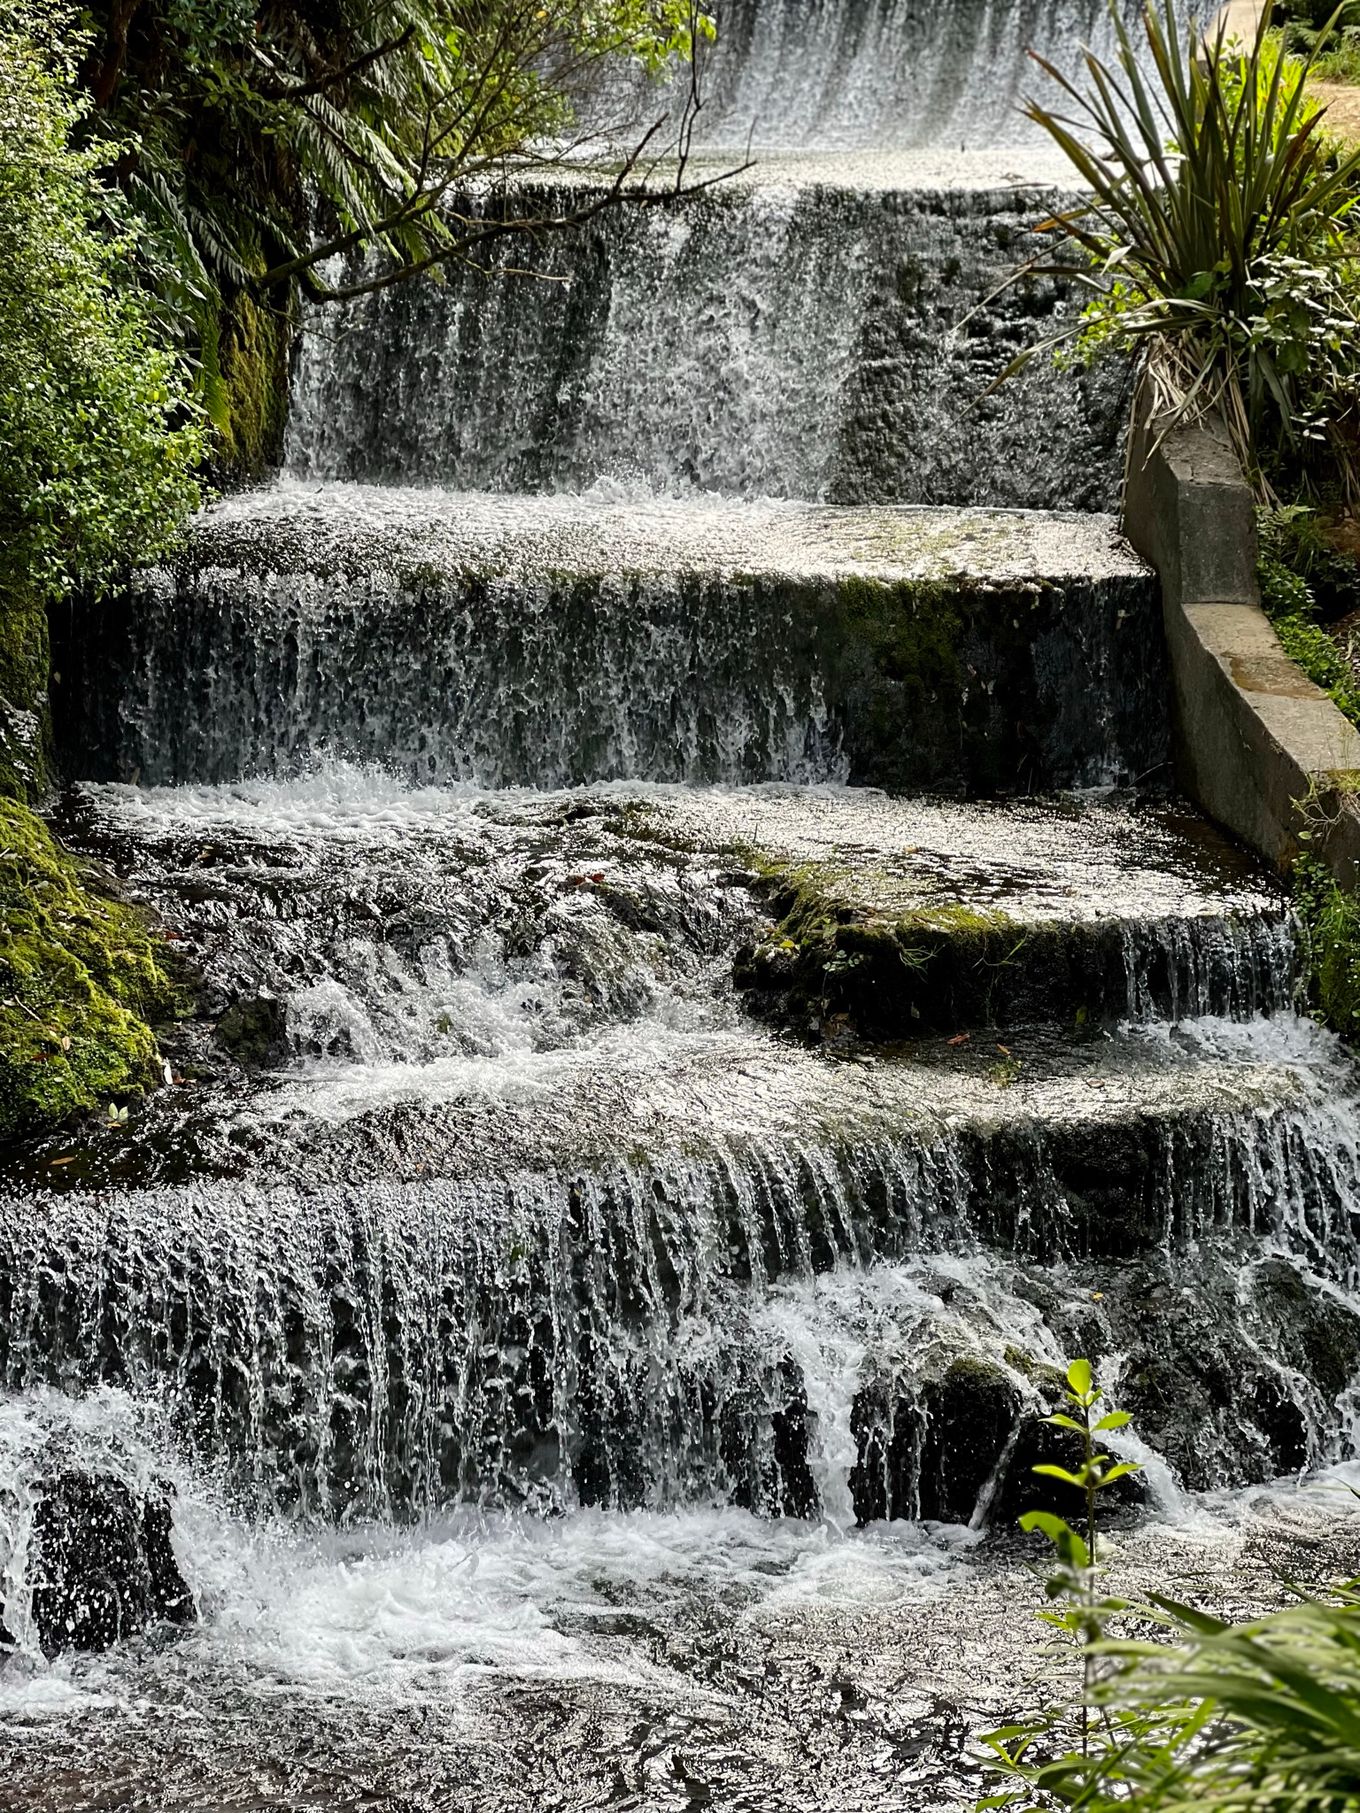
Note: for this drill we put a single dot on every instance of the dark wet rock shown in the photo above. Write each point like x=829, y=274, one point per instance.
x=1232, y=1374
x=1324, y=1328
x=932, y=1448
x=961, y=1448
x=1230, y=1367
x=101, y=1563
x=255, y=1032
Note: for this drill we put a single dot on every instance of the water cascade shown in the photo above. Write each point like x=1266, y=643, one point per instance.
x=706, y=998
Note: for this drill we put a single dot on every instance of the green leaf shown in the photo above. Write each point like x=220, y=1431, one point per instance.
x=1122, y=1471
x=1188, y=1615
x=1048, y=1471
x=1046, y=1523
x=1114, y=1419
x=1079, y=1377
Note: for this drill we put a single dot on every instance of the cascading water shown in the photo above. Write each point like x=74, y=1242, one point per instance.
x=582, y=1302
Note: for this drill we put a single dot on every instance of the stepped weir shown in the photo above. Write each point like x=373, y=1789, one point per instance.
x=707, y=998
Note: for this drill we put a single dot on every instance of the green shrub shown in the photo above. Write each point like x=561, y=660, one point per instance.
x=98, y=440
x=1303, y=22
x=1212, y=1717
x=1330, y=918
x=1315, y=15
x=1340, y=61
x=1262, y=1717
x=1298, y=570
x=259, y=139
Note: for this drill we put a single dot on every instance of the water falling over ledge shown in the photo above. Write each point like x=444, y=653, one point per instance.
x=569, y=1388
x=552, y=641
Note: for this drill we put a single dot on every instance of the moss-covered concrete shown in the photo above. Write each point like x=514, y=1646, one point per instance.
x=837, y=964
x=82, y=983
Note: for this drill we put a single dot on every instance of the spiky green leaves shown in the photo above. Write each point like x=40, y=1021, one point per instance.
x=1219, y=233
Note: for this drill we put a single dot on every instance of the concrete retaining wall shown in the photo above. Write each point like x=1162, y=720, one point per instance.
x=1258, y=746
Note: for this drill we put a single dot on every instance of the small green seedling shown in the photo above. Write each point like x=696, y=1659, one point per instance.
x=1076, y=1606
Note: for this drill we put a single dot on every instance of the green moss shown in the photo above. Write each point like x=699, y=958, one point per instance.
x=25, y=723
x=252, y=391
x=837, y=959
x=1313, y=650
x=913, y=630
x=81, y=984
x=1331, y=922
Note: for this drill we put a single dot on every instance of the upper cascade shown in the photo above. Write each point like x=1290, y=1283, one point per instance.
x=852, y=74
x=815, y=324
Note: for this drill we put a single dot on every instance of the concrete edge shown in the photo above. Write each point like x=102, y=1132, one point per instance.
x=1258, y=746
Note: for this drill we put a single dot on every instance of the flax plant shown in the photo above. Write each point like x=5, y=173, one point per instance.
x=1218, y=237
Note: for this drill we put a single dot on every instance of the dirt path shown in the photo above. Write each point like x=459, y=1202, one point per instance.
x=1243, y=18
x=1343, y=107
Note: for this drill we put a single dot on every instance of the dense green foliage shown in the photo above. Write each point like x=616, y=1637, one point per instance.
x=260, y=139
x=1331, y=926
x=1261, y=1717
x=98, y=447
x=1303, y=581
x=1221, y=239
x=1303, y=21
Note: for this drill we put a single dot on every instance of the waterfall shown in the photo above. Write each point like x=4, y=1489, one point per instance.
x=808, y=333
x=704, y=999
x=888, y=73
x=460, y=637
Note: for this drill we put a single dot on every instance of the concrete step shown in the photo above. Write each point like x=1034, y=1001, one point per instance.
x=556, y=641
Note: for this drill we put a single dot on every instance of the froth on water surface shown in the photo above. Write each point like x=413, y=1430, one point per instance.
x=670, y=1662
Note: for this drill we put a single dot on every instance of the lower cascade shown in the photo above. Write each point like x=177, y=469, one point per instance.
x=701, y=998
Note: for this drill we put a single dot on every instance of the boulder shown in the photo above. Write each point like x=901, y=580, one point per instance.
x=100, y=1563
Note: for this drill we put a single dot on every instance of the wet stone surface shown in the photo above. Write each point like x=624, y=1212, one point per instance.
x=561, y=640
x=348, y=920
x=586, y=1296
x=658, y=1665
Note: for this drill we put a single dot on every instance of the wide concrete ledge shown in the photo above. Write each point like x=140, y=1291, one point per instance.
x=1258, y=745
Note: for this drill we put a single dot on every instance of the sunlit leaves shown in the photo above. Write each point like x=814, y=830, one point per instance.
x=270, y=138
x=1219, y=232
x=98, y=440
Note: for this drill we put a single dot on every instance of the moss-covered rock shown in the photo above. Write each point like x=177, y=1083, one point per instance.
x=254, y=1031
x=25, y=728
x=82, y=983
x=253, y=354
x=846, y=955
x=832, y=962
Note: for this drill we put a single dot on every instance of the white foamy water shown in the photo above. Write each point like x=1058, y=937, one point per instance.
x=575, y=1390
x=467, y=1605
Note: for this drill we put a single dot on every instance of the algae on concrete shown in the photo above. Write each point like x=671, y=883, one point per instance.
x=254, y=347
x=837, y=962
x=25, y=722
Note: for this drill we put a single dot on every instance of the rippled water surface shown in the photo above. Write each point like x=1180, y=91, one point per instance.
x=700, y=1659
